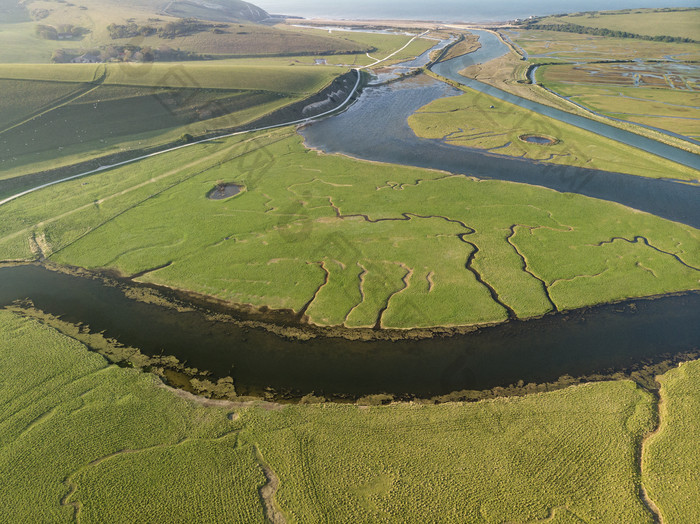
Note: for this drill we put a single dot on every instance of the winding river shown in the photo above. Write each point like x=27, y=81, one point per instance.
x=603, y=339
x=600, y=340
x=376, y=128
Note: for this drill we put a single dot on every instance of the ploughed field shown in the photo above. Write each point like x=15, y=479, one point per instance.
x=80, y=438
x=350, y=242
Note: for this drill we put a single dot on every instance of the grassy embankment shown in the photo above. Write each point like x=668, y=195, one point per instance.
x=680, y=22
x=468, y=44
x=56, y=116
x=483, y=122
x=670, y=461
x=79, y=437
x=309, y=232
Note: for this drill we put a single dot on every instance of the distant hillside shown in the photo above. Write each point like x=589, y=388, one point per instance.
x=216, y=10
x=38, y=31
x=676, y=23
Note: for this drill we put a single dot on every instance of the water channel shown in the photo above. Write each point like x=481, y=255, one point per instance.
x=376, y=128
x=604, y=339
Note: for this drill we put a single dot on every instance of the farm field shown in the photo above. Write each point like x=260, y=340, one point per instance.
x=133, y=106
x=678, y=22
x=479, y=121
x=306, y=234
x=91, y=437
x=670, y=464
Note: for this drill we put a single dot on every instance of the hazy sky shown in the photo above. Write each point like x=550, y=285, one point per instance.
x=466, y=10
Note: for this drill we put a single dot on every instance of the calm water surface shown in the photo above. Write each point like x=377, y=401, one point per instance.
x=603, y=339
x=451, y=10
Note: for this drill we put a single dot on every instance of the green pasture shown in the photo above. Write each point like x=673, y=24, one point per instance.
x=53, y=73
x=138, y=105
x=79, y=437
x=357, y=241
x=23, y=98
x=670, y=463
x=209, y=75
x=66, y=414
x=483, y=122
x=684, y=23
x=568, y=46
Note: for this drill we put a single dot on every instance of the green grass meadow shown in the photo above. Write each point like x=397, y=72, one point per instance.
x=355, y=239
x=80, y=438
x=558, y=45
x=479, y=121
x=670, y=461
x=684, y=23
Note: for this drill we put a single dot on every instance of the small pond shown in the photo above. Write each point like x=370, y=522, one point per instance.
x=224, y=191
x=538, y=139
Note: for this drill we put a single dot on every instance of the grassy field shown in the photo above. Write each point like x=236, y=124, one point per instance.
x=670, y=463
x=651, y=90
x=549, y=45
x=210, y=75
x=22, y=98
x=69, y=413
x=483, y=122
x=684, y=23
x=136, y=105
x=78, y=437
x=308, y=232
x=19, y=42
x=636, y=93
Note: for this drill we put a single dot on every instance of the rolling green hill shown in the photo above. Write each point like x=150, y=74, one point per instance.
x=33, y=31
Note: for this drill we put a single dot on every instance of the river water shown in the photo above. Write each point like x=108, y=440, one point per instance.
x=376, y=128
x=450, y=10
x=604, y=339
x=492, y=47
